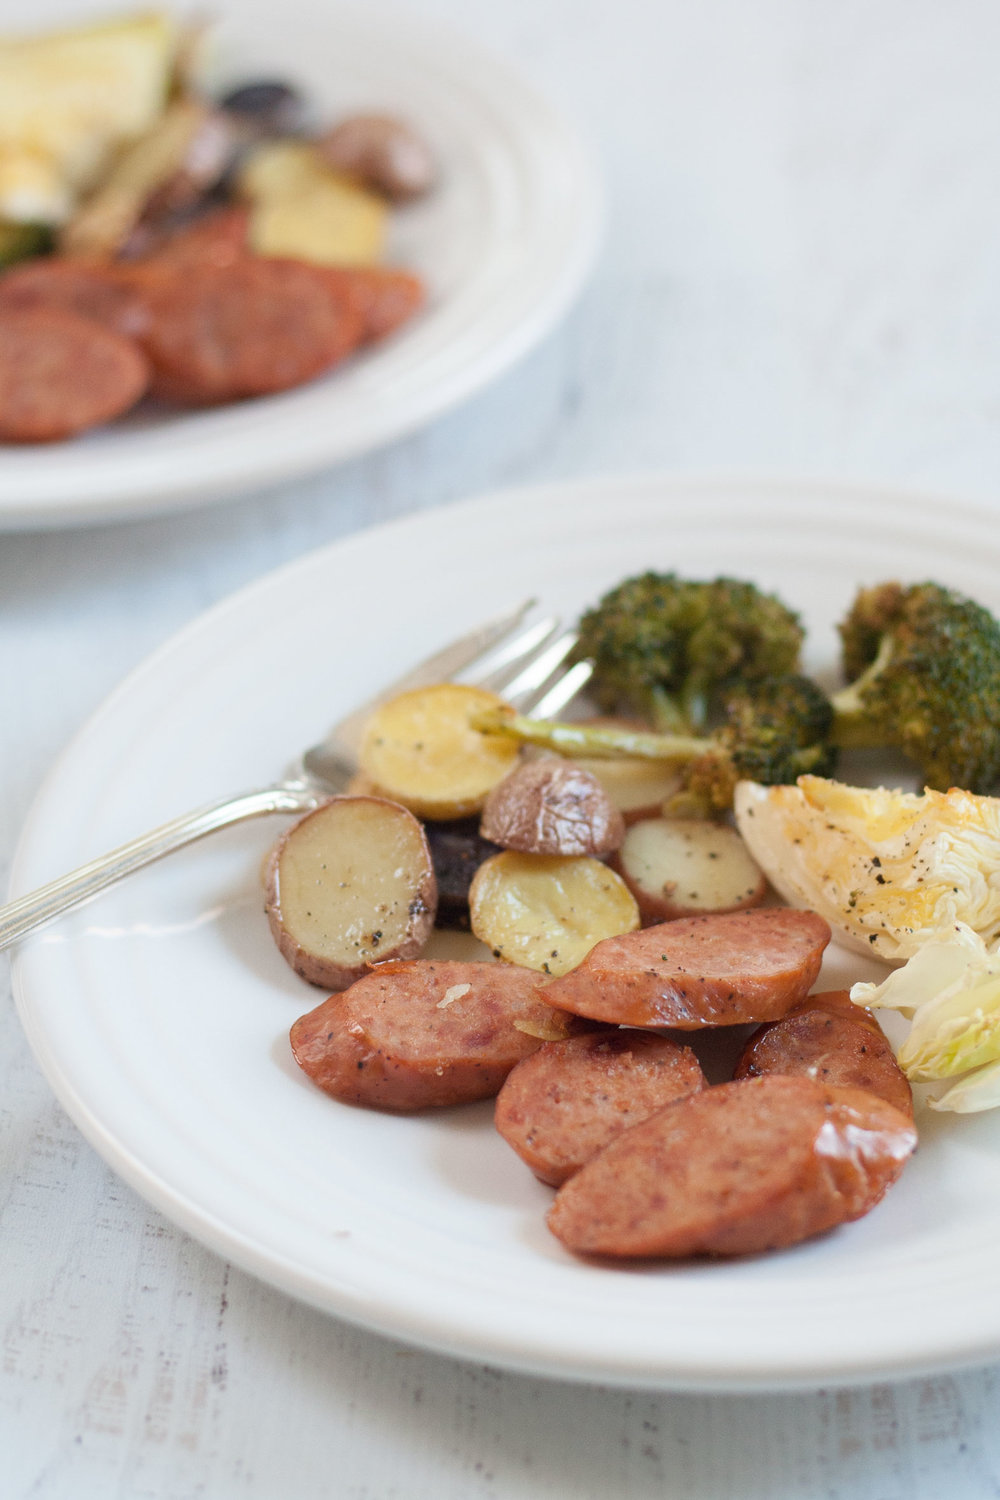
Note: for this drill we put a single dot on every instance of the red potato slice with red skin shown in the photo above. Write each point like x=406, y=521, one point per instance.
x=350, y=885
x=638, y=788
x=755, y=1165
x=571, y=1098
x=678, y=867
x=551, y=806
x=821, y=1039
x=425, y=1034
x=723, y=970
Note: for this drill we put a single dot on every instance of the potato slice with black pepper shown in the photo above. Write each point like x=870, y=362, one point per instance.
x=348, y=886
x=545, y=911
x=421, y=750
x=681, y=867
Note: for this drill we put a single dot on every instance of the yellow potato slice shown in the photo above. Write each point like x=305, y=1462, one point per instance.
x=302, y=209
x=420, y=749
x=545, y=911
x=278, y=169
x=350, y=885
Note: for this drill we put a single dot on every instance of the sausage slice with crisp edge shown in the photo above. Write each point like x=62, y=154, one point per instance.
x=822, y=1039
x=716, y=970
x=749, y=1166
x=567, y=1101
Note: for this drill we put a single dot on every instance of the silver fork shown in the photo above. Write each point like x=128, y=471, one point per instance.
x=523, y=662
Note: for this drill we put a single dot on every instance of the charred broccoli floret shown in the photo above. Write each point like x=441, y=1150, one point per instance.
x=925, y=664
x=773, y=732
x=669, y=649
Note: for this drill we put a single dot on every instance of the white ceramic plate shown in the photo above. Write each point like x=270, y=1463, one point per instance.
x=160, y=1013
x=504, y=244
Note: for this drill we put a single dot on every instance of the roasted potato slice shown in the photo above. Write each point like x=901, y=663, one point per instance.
x=420, y=749
x=679, y=867
x=304, y=210
x=552, y=806
x=547, y=912
x=348, y=886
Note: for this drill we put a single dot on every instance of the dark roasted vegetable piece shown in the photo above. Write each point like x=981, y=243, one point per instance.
x=267, y=107
x=668, y=648
x=926, y=668
x=457, y=851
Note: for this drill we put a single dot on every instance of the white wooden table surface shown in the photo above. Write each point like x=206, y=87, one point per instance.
x=799, y=276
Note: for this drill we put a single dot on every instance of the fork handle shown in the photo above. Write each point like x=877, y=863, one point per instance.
x=22, y=916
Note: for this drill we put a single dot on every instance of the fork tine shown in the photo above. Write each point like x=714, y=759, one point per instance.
x=504, y=665
x=555, y=695
x=529, y=683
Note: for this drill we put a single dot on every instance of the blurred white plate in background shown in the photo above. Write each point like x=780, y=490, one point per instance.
x=504, y=244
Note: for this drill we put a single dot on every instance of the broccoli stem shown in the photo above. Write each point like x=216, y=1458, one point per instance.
x=853, y=727
x=667, y=714
x=591, y=740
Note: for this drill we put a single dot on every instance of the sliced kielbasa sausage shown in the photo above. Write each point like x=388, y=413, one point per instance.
x=737, y=1169
x=821, y=1039
x=214, y=239
x=60, y=374
x=93, y=290
x=420, y=1033
x=382, y=297
x=563, y=1104
x=715, y=970
x=257, y=326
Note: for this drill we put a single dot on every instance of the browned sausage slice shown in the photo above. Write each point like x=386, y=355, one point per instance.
x=381, y=296
x=821, y=1039
x=734, y=1170
x=97, y=291
x=839, y=1003
x=256, y=326
x=567, y=1101
x=716, y=970
x=60, y=374
x=214, y=239
x=411, y=1035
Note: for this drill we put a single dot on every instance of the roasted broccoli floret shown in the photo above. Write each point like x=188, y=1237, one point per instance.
x=772, y=732
x=669, y=649
x=925, y=664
